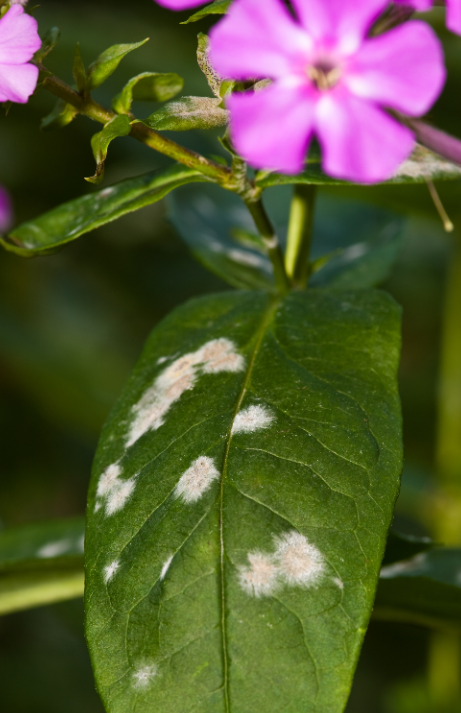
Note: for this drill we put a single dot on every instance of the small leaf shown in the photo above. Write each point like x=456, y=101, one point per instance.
x=218, y=86
x=78, y=70
x=41, y=564
x=69, y=221
x=118, y=126
x=206, y=220
x=150, y=87
x=107, y=63
x=61, y=115
x=421, y=166
x=218, y=7
x=188, y=113
x=239, y=505
x=424, y=590
x=49, y=42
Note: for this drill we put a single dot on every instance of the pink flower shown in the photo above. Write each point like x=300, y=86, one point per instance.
x=6, y=210
x=329, y=81
x=181, y=4
x=453, y=11
x=19, y=41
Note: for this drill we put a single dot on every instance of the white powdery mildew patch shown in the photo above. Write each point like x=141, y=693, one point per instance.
x=253, y=418
x=54, y=549
x=114, y=491
x=339, y=583
x=197, y=479
x=299, y=562
x=261, y=578
x=111, y=570
x=214, y=357
x=295, y=562
x=166, y=567
x=144, y=675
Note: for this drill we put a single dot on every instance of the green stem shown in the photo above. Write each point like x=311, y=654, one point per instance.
x=271, y=241
x=149, y=137
x=300, y=234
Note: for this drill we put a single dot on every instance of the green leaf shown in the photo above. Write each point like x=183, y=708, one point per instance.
x=422, y=165
x=69, y=221
x=118, y=126
x=78, y=70
x=424, y=590
x=49, y=42
x=402, y=547
x=239, y=505
x=61, y=115
x=41, y=564
x=149, y=87
x=207, y=220
x=188, y=113
x=107, y=63
x=362, y=265
x=218, y=7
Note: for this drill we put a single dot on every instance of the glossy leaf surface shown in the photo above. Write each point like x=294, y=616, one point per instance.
x=107, y=63
x=420, y=167
x=69, y=221
x=148, y=86
x=424, y=590
x=41, y=564
x=218, y=7
x=239, y=506
x=100, y=142
x=188, y=113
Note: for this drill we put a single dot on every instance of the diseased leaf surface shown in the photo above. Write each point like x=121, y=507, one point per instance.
x=188, y=113
x=424, y=590
x=239, y=506
x=69, y=221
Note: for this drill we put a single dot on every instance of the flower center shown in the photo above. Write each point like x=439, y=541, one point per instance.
x=324, y=74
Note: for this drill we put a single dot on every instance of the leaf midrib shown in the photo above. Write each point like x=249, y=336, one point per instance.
x=258, y=341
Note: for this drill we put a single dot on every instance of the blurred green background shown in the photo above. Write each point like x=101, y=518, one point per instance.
x=72, y=326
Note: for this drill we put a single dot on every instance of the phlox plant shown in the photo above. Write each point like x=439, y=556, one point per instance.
x=237, y=537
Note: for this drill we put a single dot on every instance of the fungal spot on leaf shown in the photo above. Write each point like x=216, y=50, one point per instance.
x=118, y=496
x=144, y=675
x=111, y=570
x=166, y=567
x=339, y=583
x=252, y=419
x=108, y=479
x=197, y=479
x=261, y=577
x=181, y=375
x=299, y=562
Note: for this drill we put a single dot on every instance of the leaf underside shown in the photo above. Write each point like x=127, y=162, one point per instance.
x=241, y=496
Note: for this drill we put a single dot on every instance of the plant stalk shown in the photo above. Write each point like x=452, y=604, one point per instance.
x=300, y=235
x=271, y=241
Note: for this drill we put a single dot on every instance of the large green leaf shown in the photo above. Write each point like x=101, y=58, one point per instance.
x=69, y=221
x=41, y=564
x=239, y=505
x=148, y=86
x=423, y=165
x=424, y=590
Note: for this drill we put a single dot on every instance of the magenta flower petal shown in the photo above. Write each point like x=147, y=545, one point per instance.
x=181, y=4
x=418, y=5
x=17, y=82
x=6, y=210
x=359, y=141
x=402, y=69
x=272, y=128
x=454, y=16
x=343, y=21
x=19, y=38
x=258, y=38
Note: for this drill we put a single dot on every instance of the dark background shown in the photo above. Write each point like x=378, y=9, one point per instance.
x=72, y=326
